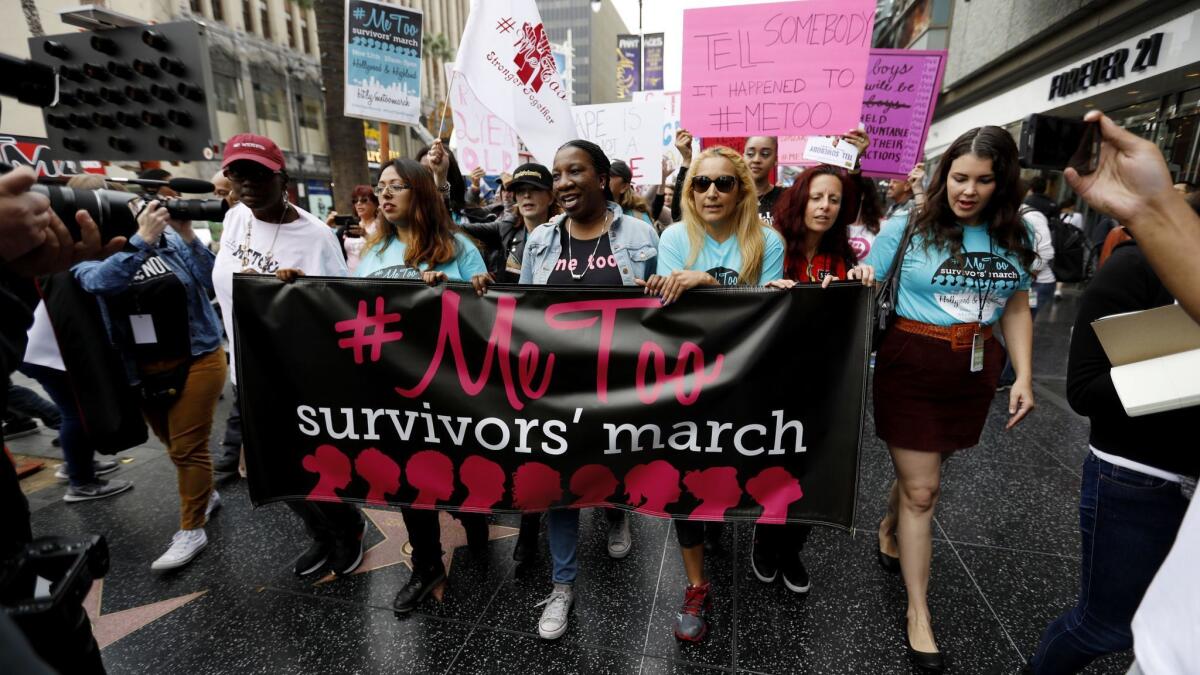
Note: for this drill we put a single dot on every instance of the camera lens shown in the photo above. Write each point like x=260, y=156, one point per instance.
x=197, y=209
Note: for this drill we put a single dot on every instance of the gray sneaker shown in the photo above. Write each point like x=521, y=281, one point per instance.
x=99, y=468
x=554, y=618
x=619, y=540
x=98, y=490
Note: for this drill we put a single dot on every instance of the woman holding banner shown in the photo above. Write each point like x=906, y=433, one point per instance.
x=964, y=264
x=416, y=239
x=615, y=249
x=721, y=242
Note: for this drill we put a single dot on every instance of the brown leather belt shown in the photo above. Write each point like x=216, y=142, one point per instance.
x=958, y=335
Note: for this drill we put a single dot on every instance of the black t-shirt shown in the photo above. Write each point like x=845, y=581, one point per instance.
x=766, y=205
x=603, y=270
x=155, y=297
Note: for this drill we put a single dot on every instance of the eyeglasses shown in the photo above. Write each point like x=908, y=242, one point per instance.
x=256, y=173
x=390, y=188
x=362, y=200
x=724, y=184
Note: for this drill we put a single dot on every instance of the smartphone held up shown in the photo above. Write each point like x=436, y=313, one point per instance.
x=1056, y=143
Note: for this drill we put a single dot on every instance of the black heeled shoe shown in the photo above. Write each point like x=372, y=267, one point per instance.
x=888, y=563
x=930, y=662
x=419, y=587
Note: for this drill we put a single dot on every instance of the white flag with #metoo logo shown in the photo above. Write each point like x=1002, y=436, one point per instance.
x=506, y=60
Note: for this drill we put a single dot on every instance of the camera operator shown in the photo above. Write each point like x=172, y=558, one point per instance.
x=32, y=241
x=155, y=303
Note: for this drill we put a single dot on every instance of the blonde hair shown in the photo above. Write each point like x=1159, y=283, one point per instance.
x=749, y=228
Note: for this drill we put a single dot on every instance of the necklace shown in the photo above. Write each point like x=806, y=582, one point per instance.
x=579, y=277
x=267, y=258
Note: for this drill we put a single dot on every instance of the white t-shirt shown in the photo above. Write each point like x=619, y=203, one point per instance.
x=861, y=240
x=249, y=243
x=1165, y=628
x=1043, y=245
x=42, y=347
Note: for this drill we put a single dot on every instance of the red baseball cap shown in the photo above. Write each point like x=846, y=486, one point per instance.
x=254, y=148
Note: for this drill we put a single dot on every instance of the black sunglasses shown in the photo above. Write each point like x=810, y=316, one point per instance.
x=255, y=173
x=724, y=184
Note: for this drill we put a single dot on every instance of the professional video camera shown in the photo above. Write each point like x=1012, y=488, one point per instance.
x=43, y=587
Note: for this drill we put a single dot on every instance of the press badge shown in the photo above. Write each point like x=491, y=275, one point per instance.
x=976, y=353
x=143, y=329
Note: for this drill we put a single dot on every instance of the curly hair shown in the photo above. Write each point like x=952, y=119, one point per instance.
x=599, y=161
x=791, y=209
x=939, y=227
x=749, y=230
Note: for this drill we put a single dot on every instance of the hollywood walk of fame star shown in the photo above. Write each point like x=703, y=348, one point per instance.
x=108, y=628
x=394, y=548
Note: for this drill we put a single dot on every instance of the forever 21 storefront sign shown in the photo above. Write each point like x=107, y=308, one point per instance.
x=1107, y=68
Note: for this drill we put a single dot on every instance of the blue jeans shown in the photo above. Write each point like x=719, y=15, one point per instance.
x=1128, y=521
x=562, y=529
x=25, y=401
x=77, y=450
x=1045, y=296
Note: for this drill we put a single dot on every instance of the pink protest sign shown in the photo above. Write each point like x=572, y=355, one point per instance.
x=901, y=92
x=480, y=138
x=785, y=68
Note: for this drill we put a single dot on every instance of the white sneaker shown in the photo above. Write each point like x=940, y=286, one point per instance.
x=214, y=503
x=185, y=545
x=619, y=539
x=554, y=618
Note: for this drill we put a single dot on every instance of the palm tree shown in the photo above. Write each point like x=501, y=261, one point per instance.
x=347, y=144
x=438, y=51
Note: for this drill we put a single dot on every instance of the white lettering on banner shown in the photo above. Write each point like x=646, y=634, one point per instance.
x=627, y=131
x=495, y=434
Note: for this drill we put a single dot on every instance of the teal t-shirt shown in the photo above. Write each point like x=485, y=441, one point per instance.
x=942, y=290
x=388, y=263
x=723, y=260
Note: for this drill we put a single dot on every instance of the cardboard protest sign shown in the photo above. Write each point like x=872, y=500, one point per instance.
x=383, y=62
x=821, y=149
x=670, y=101
x=480, y=137
x=901, y=92
x=788, y=68
x=627, y=131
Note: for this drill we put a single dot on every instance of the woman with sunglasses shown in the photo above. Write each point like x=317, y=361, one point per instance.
x=267, y=234
x=415, y=239
x=720, y=242
x=965, y=267
x=594, y=243
x=354, y=236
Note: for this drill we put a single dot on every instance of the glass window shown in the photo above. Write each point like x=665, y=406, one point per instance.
x=265, y=17
x=266, y=103
x=195, y=5
x=218, y=10
x=226, y=88
x=308, y=109
x=304, y=35
x=291, y=35
x=248, y=16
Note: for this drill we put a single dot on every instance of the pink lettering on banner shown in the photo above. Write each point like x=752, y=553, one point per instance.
x=785, y=68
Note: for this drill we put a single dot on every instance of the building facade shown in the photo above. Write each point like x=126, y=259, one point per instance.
x=593, y=38
x=1138, y=61
x=265, y=60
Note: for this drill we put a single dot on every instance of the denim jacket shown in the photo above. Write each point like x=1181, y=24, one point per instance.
x=192, y=264
x=634, y=244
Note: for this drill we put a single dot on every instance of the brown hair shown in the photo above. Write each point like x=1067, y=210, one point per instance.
x=937, y=224
x=433, y=240
x=792, y=208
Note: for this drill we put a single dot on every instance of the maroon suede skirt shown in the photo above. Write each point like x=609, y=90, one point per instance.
x=925, y=396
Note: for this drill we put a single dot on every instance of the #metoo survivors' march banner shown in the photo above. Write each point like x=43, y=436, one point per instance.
x=726, y=405
x=383, y=62
x=901, y=93
x=786, y=68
